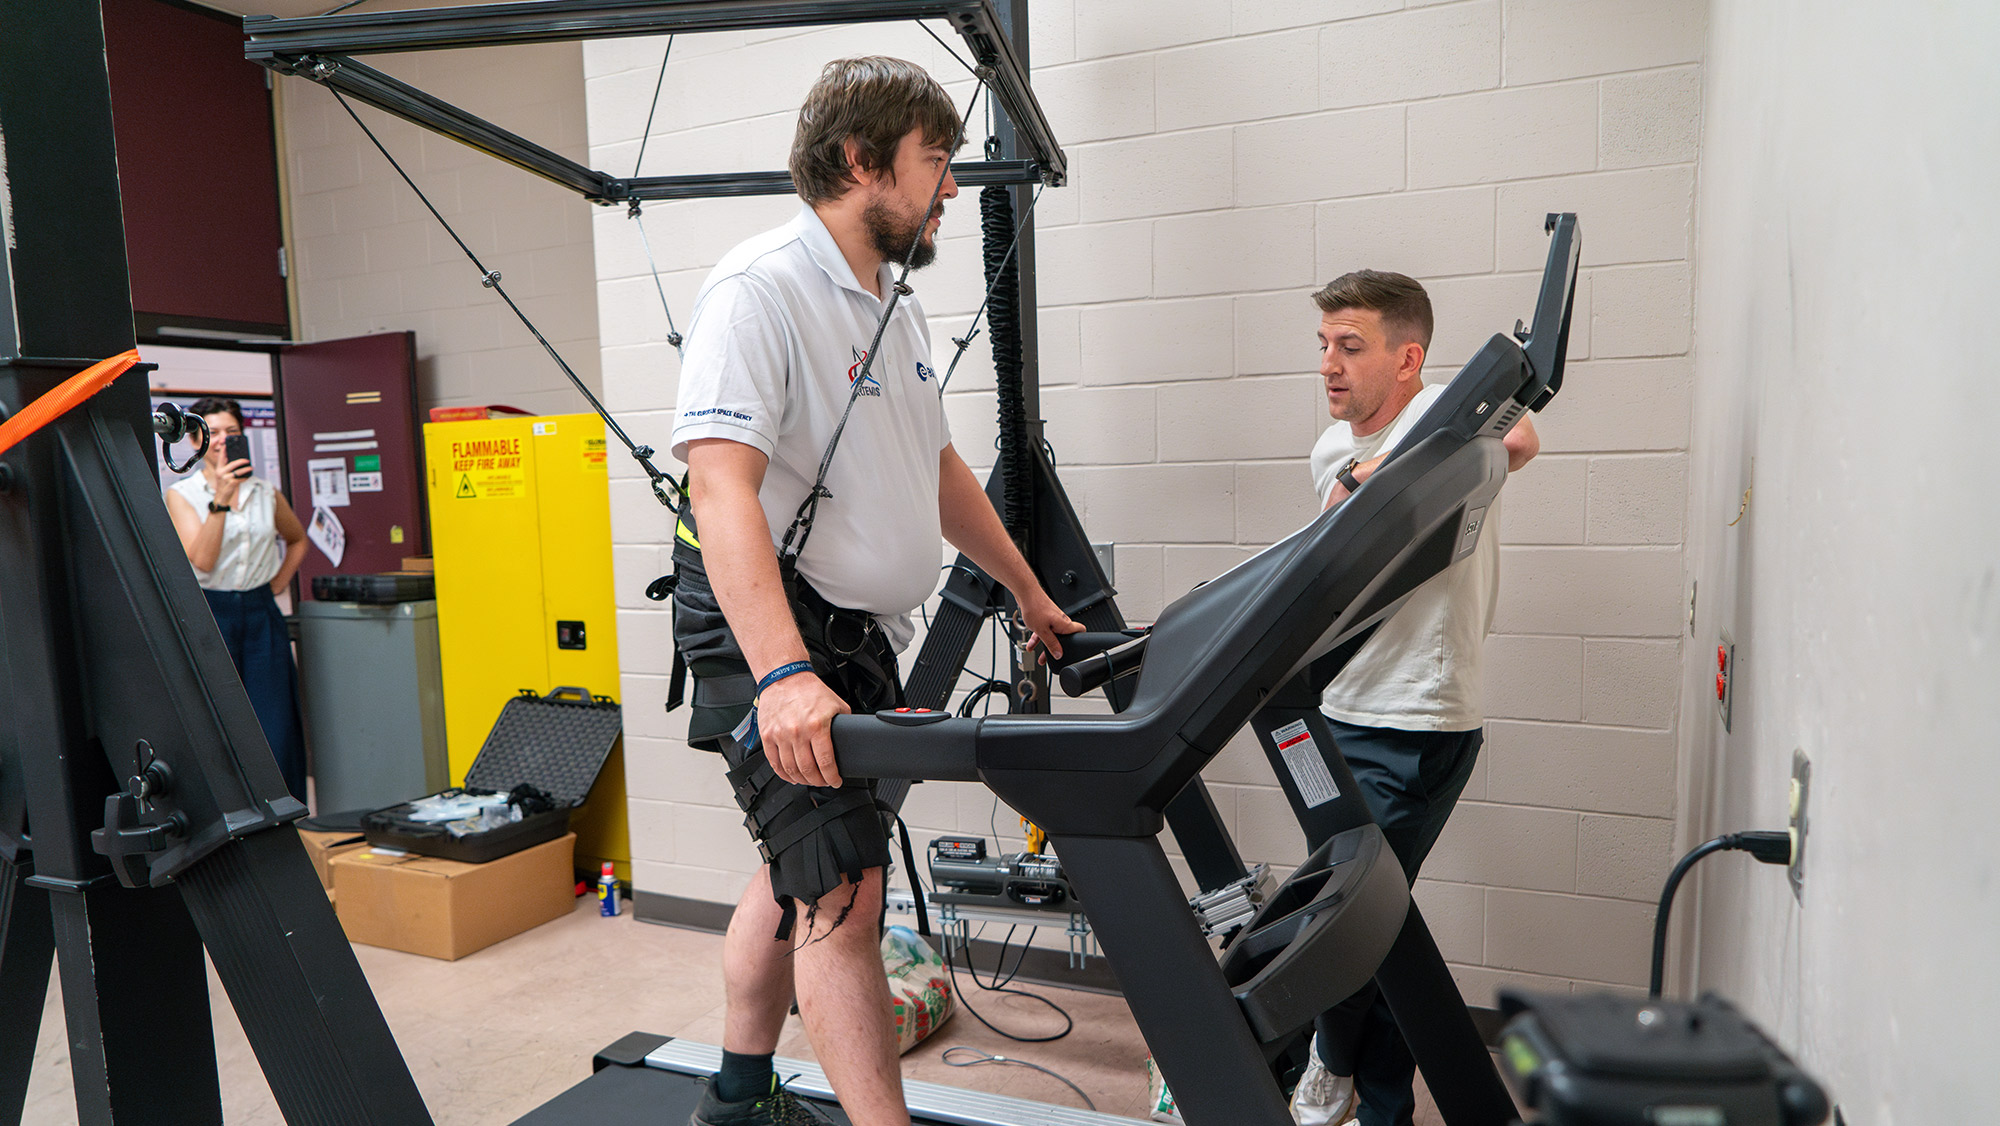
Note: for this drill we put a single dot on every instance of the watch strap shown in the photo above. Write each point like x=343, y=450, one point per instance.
x=1346, y=476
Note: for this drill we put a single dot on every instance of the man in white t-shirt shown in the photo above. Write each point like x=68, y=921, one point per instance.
x=779, y=336
x=1406, y=711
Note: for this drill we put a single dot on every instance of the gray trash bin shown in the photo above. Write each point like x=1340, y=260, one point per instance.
x=374, y=702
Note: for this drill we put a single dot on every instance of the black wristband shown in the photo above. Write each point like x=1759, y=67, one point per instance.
x=1346, y=477
x=214, y=507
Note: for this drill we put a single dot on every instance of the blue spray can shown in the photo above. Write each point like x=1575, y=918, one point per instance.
x=607, y=891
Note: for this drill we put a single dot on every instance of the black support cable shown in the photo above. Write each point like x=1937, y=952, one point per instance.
x=1003, y=288
x=491, y=280
x=972, y=330
x=802, y=520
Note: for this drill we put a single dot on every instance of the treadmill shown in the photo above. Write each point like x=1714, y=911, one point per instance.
x=1254, y=646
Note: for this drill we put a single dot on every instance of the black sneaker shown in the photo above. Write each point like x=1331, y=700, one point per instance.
x=779, y=1108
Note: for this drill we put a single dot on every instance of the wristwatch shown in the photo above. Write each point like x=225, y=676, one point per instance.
x=214, y=507
x=1346, y=475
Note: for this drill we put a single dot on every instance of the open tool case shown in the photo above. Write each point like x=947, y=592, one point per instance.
x=556, y=742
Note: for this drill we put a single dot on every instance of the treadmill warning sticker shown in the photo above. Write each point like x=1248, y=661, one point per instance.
x=1302, y=758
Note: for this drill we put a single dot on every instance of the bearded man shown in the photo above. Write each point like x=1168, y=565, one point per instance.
x=776, y=350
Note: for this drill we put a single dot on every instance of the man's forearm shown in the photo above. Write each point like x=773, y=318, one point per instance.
x=743, y=571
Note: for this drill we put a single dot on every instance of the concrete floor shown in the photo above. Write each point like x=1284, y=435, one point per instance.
x=493, y=1035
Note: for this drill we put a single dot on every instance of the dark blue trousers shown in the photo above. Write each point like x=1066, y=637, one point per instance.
x=254, y=630
x=1410, y=780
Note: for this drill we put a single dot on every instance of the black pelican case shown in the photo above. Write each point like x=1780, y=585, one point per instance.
x=556, y=742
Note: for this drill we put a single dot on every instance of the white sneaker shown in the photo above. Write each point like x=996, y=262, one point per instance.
x=1322, y=1098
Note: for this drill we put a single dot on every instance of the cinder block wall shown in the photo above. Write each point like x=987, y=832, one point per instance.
x=368, y=257
x=1226, y=160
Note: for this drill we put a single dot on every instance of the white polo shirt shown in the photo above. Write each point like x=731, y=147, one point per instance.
x=1423, y=670
x=778, y=334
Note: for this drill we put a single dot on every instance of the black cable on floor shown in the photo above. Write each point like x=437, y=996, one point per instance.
x=980, y=1057
x=951, y=968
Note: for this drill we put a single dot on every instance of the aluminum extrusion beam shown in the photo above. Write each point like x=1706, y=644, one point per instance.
x=316, y=47
x=969, y=174
x=366, y=84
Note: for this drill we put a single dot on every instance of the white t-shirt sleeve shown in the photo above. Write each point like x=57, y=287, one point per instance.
x=734, y=375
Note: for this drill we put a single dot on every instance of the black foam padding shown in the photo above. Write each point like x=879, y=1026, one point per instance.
x=556, y=744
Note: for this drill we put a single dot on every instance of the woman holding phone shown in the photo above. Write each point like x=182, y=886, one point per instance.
x=246, y=543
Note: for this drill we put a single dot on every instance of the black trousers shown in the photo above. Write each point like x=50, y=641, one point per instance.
x=253, y=628
x=1411, y=780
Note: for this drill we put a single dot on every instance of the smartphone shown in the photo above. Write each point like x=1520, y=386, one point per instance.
x=236, y=447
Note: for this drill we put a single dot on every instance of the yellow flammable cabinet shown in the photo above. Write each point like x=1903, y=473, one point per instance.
x=521, y=535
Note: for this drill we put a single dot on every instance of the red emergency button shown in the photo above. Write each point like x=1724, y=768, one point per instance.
x=1721, y=659
x=1721, y=686
x=903, y=711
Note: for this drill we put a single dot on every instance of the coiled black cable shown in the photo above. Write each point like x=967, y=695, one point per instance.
x=1003, y=319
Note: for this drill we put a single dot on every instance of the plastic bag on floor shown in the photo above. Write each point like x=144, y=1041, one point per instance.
x=919, y=988
x=1159, y=1101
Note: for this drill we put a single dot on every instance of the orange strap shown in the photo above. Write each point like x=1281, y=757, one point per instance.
x=64, y=398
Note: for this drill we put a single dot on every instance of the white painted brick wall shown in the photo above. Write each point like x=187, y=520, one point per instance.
x=369, y=258
x=1226, y=160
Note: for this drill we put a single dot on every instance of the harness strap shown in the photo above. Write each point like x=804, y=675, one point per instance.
x=802, y=521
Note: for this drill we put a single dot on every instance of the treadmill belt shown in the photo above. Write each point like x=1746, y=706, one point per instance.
x=667, y=1086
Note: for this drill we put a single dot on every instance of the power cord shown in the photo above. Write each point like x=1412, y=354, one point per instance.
x=979, y=1057
x=1771, y=846
x=1003, y=985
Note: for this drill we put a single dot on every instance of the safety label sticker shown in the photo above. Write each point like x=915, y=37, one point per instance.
x=1302, y=758
x=593, y=453
x=488, y=468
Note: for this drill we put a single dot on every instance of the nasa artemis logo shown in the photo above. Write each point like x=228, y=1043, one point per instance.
x=871, y=386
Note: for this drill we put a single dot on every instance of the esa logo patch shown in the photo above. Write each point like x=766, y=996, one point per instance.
x=924, y=372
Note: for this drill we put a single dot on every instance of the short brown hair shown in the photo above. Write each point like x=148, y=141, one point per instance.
x=1399, y=298
x=876, y=100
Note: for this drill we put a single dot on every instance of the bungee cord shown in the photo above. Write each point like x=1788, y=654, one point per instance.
x=632, y=209
x=661, y=483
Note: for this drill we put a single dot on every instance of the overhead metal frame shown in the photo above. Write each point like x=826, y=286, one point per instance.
x=321, y=48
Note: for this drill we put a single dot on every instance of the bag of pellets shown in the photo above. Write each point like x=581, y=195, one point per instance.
x=919, y=988
x=1159, y=1101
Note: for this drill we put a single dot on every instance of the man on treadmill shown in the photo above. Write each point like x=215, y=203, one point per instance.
x=775, y=353
x=1406, y=711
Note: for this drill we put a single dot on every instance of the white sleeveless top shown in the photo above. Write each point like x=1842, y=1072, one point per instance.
x=251, y=550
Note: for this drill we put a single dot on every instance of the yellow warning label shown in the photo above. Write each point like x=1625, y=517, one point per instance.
x=488, y=468
x=593, y=453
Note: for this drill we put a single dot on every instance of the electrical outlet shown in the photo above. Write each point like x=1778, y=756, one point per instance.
x=1725, y=678
x=1801, y=787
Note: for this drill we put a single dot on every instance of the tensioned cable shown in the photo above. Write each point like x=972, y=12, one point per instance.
x=632, y=208
x=491, y=280
x=658, y=85
x=969, y=69
x=802, y=521
x=972, y=330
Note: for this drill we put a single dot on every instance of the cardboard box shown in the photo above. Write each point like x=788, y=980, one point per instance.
x=448, y=909
x=323, y=847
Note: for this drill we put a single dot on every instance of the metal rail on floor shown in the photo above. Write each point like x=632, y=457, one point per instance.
x=928, y=1102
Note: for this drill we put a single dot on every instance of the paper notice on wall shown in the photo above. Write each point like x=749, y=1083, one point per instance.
x=364, y=482
x=327, y=534
x=329, y=481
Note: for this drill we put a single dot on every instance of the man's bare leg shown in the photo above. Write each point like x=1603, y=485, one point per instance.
x=842, y=992
x=756, y=972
